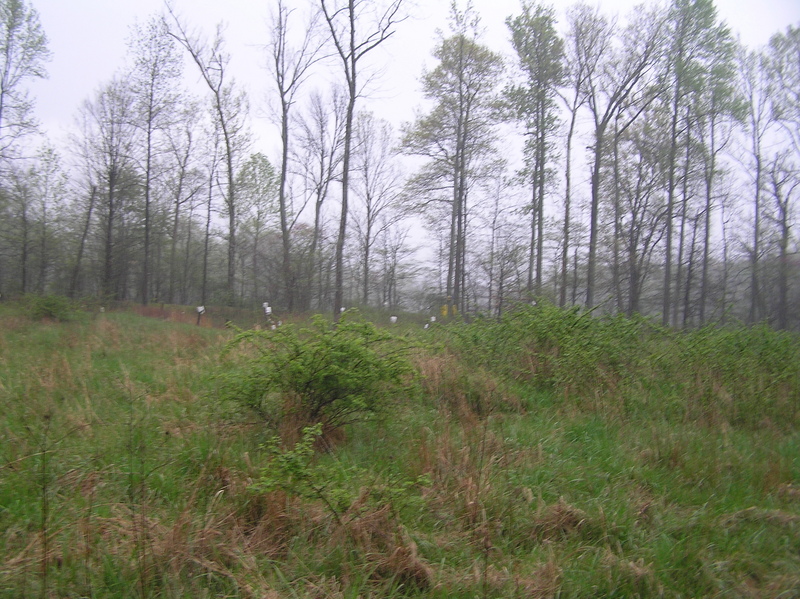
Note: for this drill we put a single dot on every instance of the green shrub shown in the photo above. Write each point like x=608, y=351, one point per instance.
x=745, y=376
x=56, y=307
x=554, y=349
x=334, y=374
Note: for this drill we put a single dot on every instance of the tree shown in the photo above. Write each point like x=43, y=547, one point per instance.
x=154, y=75
x=23, y=53
x=756, y=89
x=505, y=246
x=184, y=182
x=258, y=185
x=580, y=60
x=108, y=138
x=457, y=135
x=289, y=66
x=49, y=182
x=229, y=107
x=214, y=156
x=717, y=108
x=20, y=235
x=784, y=187
x=693, y=33
x=396, y=269
x=639, y=183
x=616, y=79
x=352, y=45
x=29, y=228
x=319, y=160
x=377, y=186
x=540, y=52
x=784, y=72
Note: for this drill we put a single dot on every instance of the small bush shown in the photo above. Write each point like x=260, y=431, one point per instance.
x=335, y=374
x=57, y=307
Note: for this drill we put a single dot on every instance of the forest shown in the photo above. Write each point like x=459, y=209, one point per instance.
x=644, y=163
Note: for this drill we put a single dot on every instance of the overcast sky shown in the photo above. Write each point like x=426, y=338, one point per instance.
x=88, y=41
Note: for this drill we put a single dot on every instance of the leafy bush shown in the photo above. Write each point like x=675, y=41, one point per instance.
x=335, y=374
x=56, y=307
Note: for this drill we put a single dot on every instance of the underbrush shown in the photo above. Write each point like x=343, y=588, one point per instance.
x=549, y=454
x=743, y=376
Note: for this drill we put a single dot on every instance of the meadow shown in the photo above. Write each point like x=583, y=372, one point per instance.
x=550, y=453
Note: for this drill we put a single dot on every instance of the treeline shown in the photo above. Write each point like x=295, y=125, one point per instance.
x=658, y=168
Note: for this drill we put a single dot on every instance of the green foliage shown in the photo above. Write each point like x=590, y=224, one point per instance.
x=745, y=376
x=328, y=373
x=300, y=473
x=57, y=307
x=293, y=471
x=554, y=349
x=112, y=442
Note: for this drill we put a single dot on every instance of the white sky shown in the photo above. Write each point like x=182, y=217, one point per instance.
x=88, y=42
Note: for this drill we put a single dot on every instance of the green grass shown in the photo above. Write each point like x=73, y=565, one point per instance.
x=547, y=455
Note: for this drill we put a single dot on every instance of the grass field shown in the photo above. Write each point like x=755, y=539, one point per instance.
x=550, y=454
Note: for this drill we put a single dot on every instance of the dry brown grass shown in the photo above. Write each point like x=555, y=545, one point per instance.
x=468, y=393
x=384, y=543
x=635, y=574
x=462, y=469
x=779, y=518
x=543, y=583
x=789, y=491
x=557, y=520
x=179, y=315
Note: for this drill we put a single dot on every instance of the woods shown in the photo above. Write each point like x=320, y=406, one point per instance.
x=638, y=163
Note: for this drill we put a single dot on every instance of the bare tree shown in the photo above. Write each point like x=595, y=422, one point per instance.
x=289, y=66
x=784, y=187
x=344, y=20
x=107, y=148
x=156, y=70
x=318, y=159
x=756, y=90
x=581, y=59
x=377, y=186
x=230, y=110
x=184, y=181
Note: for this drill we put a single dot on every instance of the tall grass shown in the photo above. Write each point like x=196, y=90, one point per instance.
x=745, y=376
x=548, y=454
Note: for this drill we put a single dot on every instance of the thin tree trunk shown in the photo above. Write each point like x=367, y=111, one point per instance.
x=73, y=284
x=709, y=180
x=286, y=242
x=593, y=217
x=567, y=206
x=206, y=239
